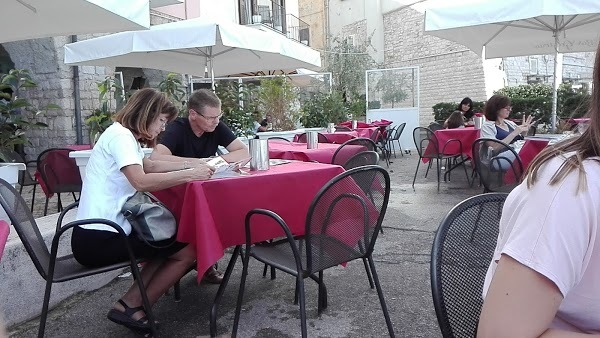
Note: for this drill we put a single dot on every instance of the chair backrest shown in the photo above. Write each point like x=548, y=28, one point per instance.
x=343, y=221
x=399, y=131
x=277, y=138
x=24, y=223
x=375, y=135
x=342, y=128
x=423, y=137
x=347, y=149
x=59, y=172
x=320, y=138
x=461, y=254
x=363, y=158
x=433, y=126
x=497, y=164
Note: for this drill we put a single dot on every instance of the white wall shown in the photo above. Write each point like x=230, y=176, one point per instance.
x=226, y=10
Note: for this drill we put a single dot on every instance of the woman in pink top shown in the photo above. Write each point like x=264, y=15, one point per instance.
x=544, y=279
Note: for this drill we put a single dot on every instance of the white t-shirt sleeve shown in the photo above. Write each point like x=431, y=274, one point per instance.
x=551, y=230
x=124, y=150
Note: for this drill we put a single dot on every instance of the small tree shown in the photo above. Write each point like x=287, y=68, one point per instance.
x=238, y=102
x=323, y=109
x=175, y=90
x=277, y=97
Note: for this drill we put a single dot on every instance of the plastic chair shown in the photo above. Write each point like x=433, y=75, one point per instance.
x=362, y=159
x=25, y=177
x=54, y=268
x=342, y=225
x=342, y=155
x=396, y=138
x=320, y=138
x=60, y=174
x=461, y=254
x=428, y=147
x=495, y=159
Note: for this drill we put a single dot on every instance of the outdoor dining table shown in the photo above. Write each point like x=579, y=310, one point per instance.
x=4, y=231
x=211, y=213
x=299, y=151
x=527, y=153
x=447, y=144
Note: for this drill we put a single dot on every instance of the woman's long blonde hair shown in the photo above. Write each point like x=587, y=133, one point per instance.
x=586, y=146
x=143, y=108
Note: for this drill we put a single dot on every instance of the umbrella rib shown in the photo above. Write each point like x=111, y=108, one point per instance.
x=586, y=21
x=503, y=27
x=30, y=7
x=225, y=51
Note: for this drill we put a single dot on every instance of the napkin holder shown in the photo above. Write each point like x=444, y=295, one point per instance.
x=312, y=140
x=259, y=152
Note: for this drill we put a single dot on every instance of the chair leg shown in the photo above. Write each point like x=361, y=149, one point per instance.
x=416, y=171
x=33, y=197
x=46, y=207
x=439, y=170
x=240, y=299
x=145, y=302
x=45, y=306
x=322, y=300
x=368, y=271
x=177, y=291
x=428, y=167
x=300, y=283
x=381, y=299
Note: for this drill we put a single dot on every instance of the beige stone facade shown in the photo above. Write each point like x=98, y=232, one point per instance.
x=44, y=59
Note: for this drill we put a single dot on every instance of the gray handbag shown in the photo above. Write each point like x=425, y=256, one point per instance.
x=151, y=220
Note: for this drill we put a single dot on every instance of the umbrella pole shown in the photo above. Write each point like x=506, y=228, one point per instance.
x=212, y=70
x=557, y=74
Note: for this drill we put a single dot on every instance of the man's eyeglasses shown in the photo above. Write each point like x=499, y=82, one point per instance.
x=210, y=118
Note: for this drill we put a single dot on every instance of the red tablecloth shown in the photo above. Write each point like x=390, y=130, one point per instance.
x=38, y=176
x=4, y=231
x=466, y=135
x=527, y=153
x=339, y=137
x=211, y=213
x=298, y=151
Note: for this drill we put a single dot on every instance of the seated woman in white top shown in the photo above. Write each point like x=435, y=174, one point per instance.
x=117, y=169
x=544, y=279
x=497, y=126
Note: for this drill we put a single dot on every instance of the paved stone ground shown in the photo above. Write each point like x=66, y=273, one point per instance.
x=401, y=256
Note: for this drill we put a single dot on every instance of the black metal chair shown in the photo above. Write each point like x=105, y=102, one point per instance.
x=396, y=138
x=433, y=126
x=60, y=174
x=320, y=138
x=342, y=128
x=361, y=159
x=428, y=147
x=277, y=138
x=341, y=155
x=461, y=254
x=54, y=268
x=497, y=164
x=342, y=225
x=25, y=177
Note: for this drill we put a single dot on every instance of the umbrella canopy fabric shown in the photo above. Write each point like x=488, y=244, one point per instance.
x=191, y=47
x=516, y=28
x=30, y=19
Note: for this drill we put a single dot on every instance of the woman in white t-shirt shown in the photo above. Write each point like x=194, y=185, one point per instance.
x=544, y=279
x=117, y=169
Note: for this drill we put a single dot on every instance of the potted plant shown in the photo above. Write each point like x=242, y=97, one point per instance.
x=102, y=117
x=17, y=114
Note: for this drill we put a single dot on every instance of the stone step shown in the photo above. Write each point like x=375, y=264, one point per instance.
x=22, y=287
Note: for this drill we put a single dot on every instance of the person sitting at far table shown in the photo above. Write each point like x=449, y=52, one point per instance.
x=455, y=120
x=196, y=138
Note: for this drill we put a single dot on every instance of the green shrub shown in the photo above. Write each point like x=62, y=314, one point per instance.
x=323, y=109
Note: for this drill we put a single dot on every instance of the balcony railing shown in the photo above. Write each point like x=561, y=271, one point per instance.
x=271, y=14
x=298, y=30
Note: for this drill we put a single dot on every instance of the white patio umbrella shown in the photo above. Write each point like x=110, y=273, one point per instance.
x=193, y=47
x=516, y=27
x=29, y=19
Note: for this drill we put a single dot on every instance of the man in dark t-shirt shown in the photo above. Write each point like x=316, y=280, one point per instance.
x=198, y=136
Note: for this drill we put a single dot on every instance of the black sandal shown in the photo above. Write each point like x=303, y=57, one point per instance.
x=124, y=318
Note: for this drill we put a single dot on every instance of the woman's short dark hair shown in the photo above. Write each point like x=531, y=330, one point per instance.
x=469, y=113
x=494, y=105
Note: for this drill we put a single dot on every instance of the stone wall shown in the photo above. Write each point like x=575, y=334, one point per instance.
x=577, y=67
x=448, y=71
x=313, y=13
x=44, y=59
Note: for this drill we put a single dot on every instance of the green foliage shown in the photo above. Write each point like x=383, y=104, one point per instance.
x=323, y=109
x=102, y=117
x=16, y=112
x=174, y=89
x=347, y=64
x=391, y=85
x=238, y=102
x=277, y=97
x=572, y=103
